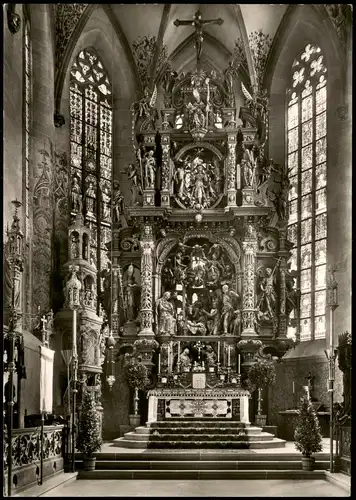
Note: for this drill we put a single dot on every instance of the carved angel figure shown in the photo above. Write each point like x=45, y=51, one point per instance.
x=258, y=102
x=267, y=300
x=145, y=107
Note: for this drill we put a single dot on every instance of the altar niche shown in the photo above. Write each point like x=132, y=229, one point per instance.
x=201, y=291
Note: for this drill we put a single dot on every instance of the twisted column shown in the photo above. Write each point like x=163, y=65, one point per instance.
x=146, y=312
x=231, y=170
x=249, y=247
x=165, y=192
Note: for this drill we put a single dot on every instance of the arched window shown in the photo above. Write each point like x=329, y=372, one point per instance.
x=307, y=161
x=27, y=77
x=91, y=148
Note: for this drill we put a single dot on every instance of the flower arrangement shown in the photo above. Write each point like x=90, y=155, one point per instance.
x=146, y=343
x=89, y=433
x=307, y=434
x=136, y=374
x=262, y=374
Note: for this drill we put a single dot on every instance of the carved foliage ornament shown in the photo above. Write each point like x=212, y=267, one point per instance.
x=67, y=18
x=144, y=49
x=260, y=44
x=341, y=17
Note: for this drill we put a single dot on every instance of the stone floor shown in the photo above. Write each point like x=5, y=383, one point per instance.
x=191, y=488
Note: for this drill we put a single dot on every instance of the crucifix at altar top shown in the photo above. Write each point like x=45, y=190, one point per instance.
x=44, y=331
x=198, y=23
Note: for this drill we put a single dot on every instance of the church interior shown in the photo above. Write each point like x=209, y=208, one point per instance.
x=177, y=235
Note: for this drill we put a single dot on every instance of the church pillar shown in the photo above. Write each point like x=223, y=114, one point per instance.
x=249, y=246
x=146, y=312
x=231, y=169
x=42, y=137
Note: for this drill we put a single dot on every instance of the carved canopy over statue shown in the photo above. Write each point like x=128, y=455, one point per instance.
x=204, y=299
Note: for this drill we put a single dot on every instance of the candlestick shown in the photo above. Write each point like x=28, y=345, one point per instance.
x=171, y=361
x=239, y=367
x=228, y=356
x=219, y=352
x=293, y=387
x=159, y=363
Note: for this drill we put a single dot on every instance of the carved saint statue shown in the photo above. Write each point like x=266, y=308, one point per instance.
x=150, y=169
x=268, y=298
x=118, y=202
x=196, y=112
x=90, y=198
x=165, y=315
x=130, y=294
x=184, y=359
x=214, y=318
x=74, y=246
x=210, y=357
x=76, y=195
x=248, y=165
x=228, y=309
x=199, y=191
x=106, y=203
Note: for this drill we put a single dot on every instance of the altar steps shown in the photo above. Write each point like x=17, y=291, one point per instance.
x=198, y=435
x=212, y=464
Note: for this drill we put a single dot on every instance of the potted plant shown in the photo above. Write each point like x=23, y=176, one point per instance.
x=307, y=433
x=89, y=432
x=136, y=375
x=261, y=374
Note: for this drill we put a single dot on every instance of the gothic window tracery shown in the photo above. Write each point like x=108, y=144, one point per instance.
x=91, y=148
x=307, y=163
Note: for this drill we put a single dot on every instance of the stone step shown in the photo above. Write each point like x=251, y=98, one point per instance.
x=194, y=430
x=202, y=436
x=126, y=443
x=206, y=465
x=201, y=474
x=198, y=455
x=200, y=423
x=263, y=436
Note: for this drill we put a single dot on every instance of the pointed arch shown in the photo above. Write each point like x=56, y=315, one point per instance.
x=86, y=35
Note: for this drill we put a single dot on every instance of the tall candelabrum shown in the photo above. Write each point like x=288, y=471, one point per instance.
x=14, y=255
x=331, y=354
x=73, y=288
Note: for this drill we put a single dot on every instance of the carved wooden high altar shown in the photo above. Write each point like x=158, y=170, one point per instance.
x=201, y=281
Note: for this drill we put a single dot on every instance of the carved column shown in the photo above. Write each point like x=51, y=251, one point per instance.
x=231, y=169
x=146, y=312
x=249, y=246
x=166, y=174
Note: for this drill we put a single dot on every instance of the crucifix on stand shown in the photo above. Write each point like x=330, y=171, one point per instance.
x=44, y=330
x=198, y=23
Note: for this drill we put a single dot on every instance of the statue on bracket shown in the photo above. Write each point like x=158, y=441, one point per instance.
x=76, y=195
x=145, y=108
x=267, y=297
x=131, y=293
x=118, y=202
x=150, y=169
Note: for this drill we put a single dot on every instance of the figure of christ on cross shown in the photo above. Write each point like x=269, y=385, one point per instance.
x=198, y=23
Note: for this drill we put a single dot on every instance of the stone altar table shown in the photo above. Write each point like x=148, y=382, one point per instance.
x=177, y=403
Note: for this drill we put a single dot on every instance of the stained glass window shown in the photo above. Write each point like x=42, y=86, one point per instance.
x=91, y=147
x=27, y=119
x=307, y=159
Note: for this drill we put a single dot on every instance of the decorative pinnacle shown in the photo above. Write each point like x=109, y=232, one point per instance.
x=17, y=204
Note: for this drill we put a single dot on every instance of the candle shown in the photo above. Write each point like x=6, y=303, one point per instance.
x=219, y=352
x=171, y=359
x=293, y=387
x=239, y=361
x=159, y=362
x=178, y=352
x=228, y=356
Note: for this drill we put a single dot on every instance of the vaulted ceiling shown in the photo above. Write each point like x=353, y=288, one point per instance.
x=247, y=33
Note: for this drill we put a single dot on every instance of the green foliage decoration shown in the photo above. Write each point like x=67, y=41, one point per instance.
x=89, y=433
x=262, y=374
x=136, y=373
x=307, y=434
